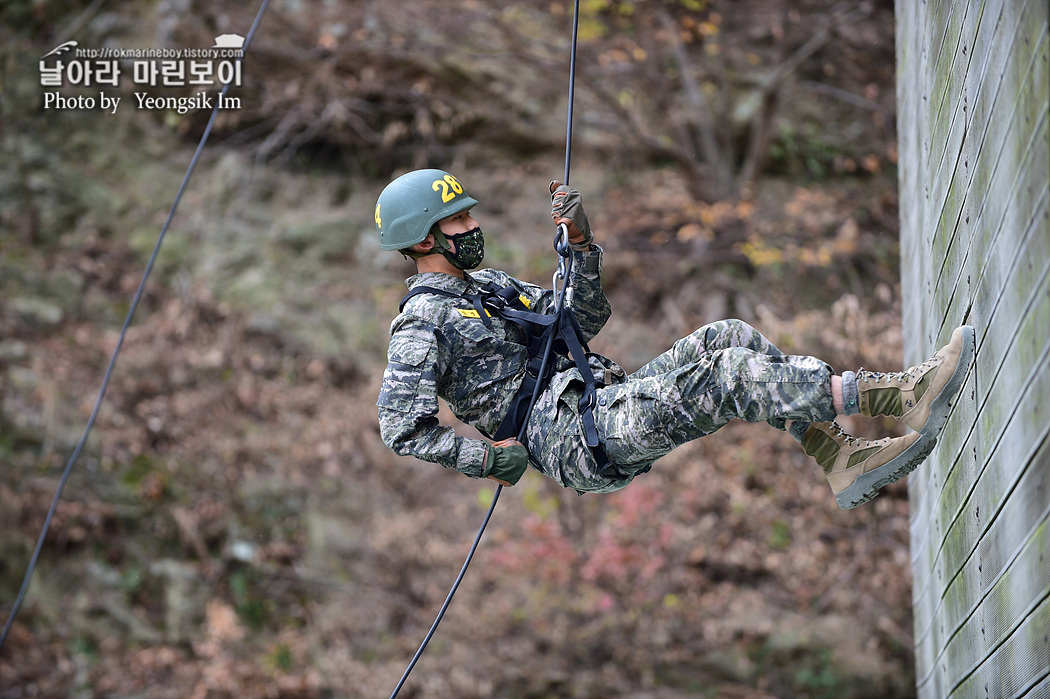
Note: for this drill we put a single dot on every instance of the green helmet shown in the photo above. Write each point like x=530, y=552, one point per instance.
x=410, y=206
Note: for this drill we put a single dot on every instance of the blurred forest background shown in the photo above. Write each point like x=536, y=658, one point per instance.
x=237, y=529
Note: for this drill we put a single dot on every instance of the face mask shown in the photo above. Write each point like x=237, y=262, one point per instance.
x=470, y=249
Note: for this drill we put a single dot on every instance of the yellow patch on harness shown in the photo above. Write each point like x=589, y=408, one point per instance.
x=471, y=313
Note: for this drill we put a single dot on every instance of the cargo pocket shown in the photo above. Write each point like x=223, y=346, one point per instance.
x=406, y=383
x=632, y=422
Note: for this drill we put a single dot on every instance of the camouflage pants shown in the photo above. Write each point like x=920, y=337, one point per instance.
x=721, y=371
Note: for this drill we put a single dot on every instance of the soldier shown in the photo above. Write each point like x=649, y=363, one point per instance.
x=460, y=337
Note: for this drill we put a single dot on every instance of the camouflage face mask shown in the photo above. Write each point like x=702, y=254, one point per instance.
x=470, y=249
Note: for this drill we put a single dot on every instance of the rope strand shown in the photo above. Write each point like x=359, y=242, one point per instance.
x=572, y=88
x=136, y=300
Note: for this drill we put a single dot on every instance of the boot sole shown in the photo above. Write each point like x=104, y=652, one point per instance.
x=867, y=485
x=942, y=404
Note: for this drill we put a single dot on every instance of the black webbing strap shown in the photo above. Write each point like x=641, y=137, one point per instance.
x=568, y=342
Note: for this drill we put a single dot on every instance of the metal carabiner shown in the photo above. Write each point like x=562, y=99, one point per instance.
x=562, y=291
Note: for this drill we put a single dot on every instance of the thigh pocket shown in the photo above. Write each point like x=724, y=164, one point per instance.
x=632, y=422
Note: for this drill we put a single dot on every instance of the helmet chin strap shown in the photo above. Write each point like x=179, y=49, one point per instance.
x=441, y=246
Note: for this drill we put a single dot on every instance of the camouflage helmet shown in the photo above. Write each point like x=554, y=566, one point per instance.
x=410, y=206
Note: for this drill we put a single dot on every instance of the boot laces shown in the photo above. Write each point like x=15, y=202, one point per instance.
x=905, y=376
x=845, y=436
x=889, y=377
x=850, y=440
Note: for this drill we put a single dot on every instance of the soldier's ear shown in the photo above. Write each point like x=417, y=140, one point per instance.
x=426, y=245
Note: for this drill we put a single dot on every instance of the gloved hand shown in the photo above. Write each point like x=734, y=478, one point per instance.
x=506, y=462
x=567, y=208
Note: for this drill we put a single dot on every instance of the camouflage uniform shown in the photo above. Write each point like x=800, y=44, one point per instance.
x=439, y=347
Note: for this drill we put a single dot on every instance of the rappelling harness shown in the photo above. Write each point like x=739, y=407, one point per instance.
x=546, y=334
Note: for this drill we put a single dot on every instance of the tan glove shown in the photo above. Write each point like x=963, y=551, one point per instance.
x=567, y=208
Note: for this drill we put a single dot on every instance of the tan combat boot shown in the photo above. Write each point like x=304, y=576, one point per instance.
x=857, y=468
x=920, y=397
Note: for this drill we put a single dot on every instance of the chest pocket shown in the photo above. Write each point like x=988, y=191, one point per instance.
x=408, y=380
x=485, y=354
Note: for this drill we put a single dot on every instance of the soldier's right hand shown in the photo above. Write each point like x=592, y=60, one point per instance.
x=506, y=462
x=567, y=208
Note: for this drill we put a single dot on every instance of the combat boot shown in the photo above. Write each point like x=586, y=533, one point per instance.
x=920, y=397
x=857, y=468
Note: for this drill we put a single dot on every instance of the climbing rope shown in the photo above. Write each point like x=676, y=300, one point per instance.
x=120, y=340
x=561, y=246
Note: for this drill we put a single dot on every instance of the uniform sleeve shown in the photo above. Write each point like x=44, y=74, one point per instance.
x=589, y=304
x=408, y=401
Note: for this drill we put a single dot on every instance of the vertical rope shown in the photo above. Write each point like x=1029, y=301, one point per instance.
x=572, y=88
x=120, y=343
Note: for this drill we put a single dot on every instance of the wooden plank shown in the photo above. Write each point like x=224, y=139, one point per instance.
x=977, y=615
x=988, y=65
x=1024, y=200
x=1041, y=690
x=1018, y=664
x=993, y=484
x=993, y=218
x=988, y=101
x=939, y=51
x=1016, y=157
x=948, y=121
x=979, y=91
x=913, y=52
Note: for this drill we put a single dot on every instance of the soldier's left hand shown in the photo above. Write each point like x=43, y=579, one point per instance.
x=567, y=208
x=507, y=461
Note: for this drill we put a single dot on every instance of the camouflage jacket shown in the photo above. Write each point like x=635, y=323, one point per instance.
x=440, y=348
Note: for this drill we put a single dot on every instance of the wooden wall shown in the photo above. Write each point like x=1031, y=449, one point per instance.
x=972, y=88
